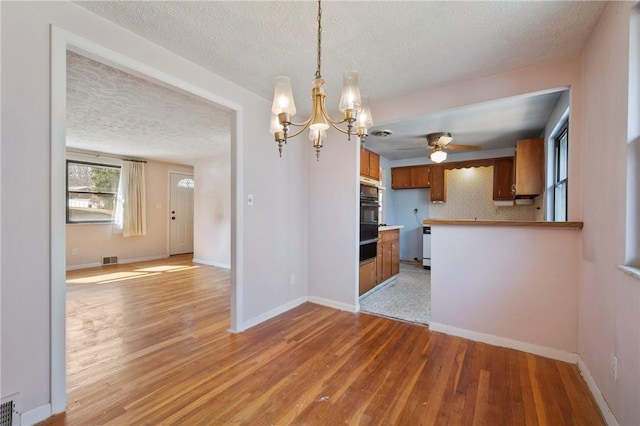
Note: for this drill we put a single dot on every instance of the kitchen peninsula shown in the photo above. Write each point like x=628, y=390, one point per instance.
x=507, y=282
x=386, y=265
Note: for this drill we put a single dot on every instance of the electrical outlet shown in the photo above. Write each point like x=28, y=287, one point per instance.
x=74, y=252
x=415, y=210
x=293, y=279
x=614, y=367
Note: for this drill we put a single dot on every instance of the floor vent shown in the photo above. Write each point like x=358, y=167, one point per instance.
x=9, y=415
x=109, y=260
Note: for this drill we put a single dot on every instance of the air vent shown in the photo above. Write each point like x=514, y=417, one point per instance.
x=109, y=260
x=381, y=133
x=9, y=415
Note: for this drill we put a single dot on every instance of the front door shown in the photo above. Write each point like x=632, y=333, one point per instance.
x=181, y=218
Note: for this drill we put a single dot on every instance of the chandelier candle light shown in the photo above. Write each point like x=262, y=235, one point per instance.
x=354, y=108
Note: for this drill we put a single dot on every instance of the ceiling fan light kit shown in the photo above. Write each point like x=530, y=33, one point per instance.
x=355, y=109
x=438, y=155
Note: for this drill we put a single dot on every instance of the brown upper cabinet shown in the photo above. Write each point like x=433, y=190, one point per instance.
x=411, y=177
x=529, y=165
x=438, y=193
x=503, y=187
x=369, y=164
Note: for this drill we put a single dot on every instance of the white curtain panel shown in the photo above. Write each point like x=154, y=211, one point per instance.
x=134, y=209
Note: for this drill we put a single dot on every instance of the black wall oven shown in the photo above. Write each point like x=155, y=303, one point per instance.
x=369, y=208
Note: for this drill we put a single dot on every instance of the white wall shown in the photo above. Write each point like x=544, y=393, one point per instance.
x=268, y=242
x=212, y=211
x=513, y=282
x=609, y=299
x=333, y=222
x=93, y=241
x=404, y=202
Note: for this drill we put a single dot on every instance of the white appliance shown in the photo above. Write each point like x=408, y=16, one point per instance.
x=426, y=247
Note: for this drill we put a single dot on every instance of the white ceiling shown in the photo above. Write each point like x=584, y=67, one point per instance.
x=398, y=47
x=110, y=111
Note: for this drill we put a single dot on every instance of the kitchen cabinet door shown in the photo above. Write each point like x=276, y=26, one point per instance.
x=386, y=261
x=379, y=261
x=395, y=257
x=374, y=166
x=367, y=276
x=503, y=189
x=529, y=163
x=438, y=193
x=401, y=177
x=369, y=164
x=420, y=176
x=364, y=162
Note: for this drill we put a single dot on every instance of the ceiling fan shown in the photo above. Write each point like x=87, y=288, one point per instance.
x=439, y=143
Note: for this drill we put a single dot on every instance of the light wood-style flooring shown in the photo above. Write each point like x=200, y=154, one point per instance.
x=148, y=344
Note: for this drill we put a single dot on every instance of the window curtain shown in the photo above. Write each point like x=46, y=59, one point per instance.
x=131, y=209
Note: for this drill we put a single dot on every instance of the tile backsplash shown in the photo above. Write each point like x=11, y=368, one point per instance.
x=470, y=196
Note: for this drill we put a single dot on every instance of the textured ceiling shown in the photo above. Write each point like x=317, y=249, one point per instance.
x=398, y=47
x=110, y=111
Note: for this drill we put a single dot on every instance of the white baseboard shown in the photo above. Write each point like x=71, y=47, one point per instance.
x=333, y=304
x=544, y=351
x=211, y=263
x=270, y=314
x=84, y=266
x=597, y=395
x=120, y=261
x=35, y=415
x=142, y=259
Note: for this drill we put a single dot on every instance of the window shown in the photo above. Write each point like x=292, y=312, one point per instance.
x=560, y=175
x=186, y=183
x=92, y=191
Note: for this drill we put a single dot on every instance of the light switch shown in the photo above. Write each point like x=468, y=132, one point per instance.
x=250, y=199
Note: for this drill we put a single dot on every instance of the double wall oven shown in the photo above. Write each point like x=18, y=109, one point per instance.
x=369, y=208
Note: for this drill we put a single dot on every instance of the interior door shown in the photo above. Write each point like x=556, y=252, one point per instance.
x=181, y=203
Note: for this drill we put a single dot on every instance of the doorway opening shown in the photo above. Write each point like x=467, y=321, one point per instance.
x=61, y=43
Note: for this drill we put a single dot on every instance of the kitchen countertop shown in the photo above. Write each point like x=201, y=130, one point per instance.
x=389, y=227
x=565, y=225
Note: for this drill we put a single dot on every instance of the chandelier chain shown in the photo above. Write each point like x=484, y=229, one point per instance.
x=319, y=39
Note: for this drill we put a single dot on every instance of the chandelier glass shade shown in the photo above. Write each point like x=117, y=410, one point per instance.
x=355, y=109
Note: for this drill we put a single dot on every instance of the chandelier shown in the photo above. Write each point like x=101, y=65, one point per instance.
x=354, y=108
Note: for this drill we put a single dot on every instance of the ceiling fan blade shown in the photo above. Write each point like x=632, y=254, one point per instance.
x=463, y=147
x=407, y=148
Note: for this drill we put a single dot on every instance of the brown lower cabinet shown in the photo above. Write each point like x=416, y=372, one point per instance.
x=385, y=265
x=367, y=275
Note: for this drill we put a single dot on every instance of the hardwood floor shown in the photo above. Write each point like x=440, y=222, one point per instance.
x=148, y=344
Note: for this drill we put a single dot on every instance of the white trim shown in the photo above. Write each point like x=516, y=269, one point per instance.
x=142, y=259
x=334, y=304
x=272, y=313
x=507, y=343
x=58, y=385
x=632, y=271
x=237, y=215
x=62, y=40
x=84, y=266
x=35, y=415
x=595, y=391
x=211, y=263
x=120, y=262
